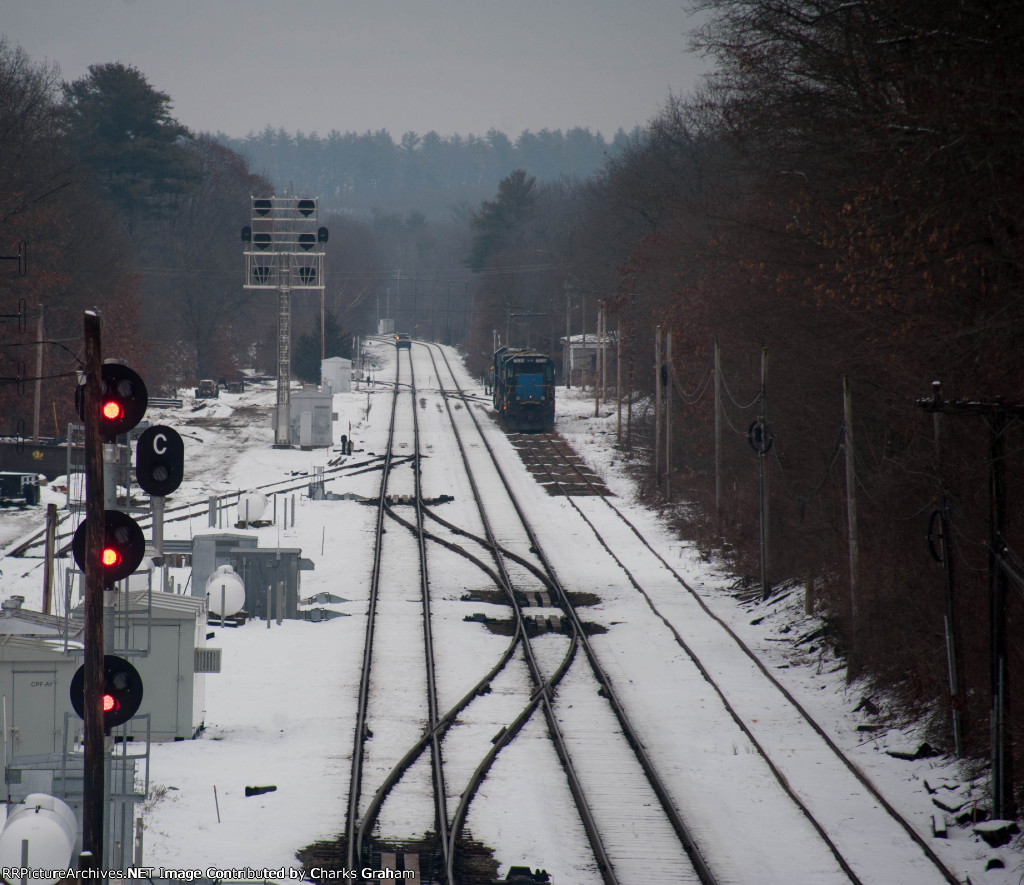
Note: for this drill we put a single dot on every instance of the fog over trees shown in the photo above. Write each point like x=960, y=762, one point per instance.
x=360, y=174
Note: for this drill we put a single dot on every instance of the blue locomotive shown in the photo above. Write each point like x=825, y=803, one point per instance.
x=524, y=389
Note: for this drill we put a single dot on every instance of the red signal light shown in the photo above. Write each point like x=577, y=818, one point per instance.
x=122, y=550
x=123, y=400
x=121, y=694
x=112, y=410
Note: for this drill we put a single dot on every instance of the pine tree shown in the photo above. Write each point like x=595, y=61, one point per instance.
x=122, y=129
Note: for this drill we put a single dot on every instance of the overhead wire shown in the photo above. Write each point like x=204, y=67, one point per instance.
x=833, y=458
x=702, y=384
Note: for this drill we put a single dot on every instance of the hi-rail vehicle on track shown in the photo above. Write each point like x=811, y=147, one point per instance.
x=524, y=389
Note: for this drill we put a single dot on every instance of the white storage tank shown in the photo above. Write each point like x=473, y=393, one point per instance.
x=41, y=834
x=225, y=592
x=252, y=506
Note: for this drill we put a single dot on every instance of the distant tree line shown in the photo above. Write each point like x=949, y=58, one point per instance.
x=357, y=173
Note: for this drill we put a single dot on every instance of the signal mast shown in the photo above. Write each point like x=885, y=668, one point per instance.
x=284, y=250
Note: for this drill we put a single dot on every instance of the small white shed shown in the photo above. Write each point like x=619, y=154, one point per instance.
x=35, y=678
x=172, y=629
x=336, y=375
x=579, y=356
x=312, y=419
x=163, y=635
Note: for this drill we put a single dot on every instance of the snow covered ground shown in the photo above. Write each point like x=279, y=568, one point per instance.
x=281, y=711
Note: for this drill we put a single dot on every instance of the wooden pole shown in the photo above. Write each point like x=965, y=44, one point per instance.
x=668, y=414
x=997, y=415
x=851, y=523
x=1002, y=781
x=93, y=774
x=851, y=496
x=597, y=363
x=657, y=404
x=718, y=436
x=604, y=353
x=567, y=357
x=51, y=541
x=763, y=492
x=618, y=382
x=948, y=585
x=39, y=377
x=583, y=330
x=631, y=377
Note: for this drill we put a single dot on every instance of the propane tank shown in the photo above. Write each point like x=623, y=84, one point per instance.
x=225, y=592
x=251, y=506
x=40, y=833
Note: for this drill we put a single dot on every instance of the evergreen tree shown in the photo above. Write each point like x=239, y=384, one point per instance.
x=306, y=353
x=497, y=221
x=122, y=129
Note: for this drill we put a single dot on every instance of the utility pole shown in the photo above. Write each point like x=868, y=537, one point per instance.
x=996, y=414
x=851, y=517
x=93, y=771
x=618, y=381
x=657, y=404
x=39, y=376
x=597, y=362
x=762, y=451
x=567, y=356
x=851, y=495
x=583, y=330
x=668, y=414
x=631, y=378
x=946, y=559
x=718, y=436
x=51, y=543
x=602, y=356
x=398, y=295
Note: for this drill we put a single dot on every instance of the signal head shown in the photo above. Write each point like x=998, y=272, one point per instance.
x=123, y=400
x=122, y=691
x=124, y=546
x=159, y=460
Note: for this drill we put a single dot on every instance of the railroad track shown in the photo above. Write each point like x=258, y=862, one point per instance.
x=354, y=846
x=670, y=848
x=826, y=815
x=555, y=464
x=199, y=509
x=434, y=848
x=438, y=849
x=549, y=666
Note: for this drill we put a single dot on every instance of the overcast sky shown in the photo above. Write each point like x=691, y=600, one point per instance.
x=454, y=66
